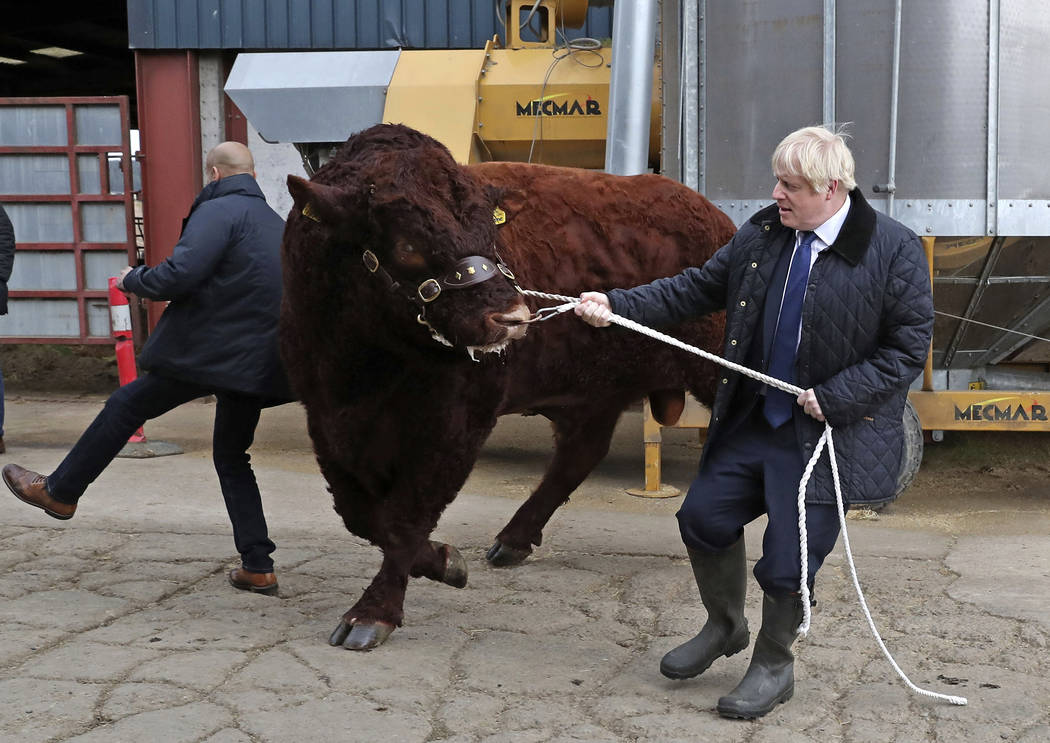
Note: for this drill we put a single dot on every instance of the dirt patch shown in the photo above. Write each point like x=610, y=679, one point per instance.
x=34, y=367
x=979, y=483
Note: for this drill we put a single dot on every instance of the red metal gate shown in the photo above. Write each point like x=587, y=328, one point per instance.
x=74, y=223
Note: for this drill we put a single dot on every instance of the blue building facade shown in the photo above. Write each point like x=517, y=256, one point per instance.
x=326, y=24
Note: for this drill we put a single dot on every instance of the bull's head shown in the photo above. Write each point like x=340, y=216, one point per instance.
x=422, y=231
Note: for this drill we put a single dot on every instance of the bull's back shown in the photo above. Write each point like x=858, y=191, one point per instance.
x=570, y=230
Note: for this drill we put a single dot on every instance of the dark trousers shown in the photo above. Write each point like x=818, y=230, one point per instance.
x=752, y=470
x=152, y=395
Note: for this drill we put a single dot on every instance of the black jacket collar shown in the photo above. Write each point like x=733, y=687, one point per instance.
x=853, y=239
x=242, y=183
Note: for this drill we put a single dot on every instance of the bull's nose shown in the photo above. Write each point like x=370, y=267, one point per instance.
x=515, y=321
x=519, y=314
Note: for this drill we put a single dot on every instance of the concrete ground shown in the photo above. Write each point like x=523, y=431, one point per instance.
x=119, y=625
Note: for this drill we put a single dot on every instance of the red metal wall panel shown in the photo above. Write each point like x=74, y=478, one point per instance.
x=170, y=136
x=236, y=124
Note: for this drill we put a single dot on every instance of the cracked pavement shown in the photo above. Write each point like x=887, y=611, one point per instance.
x=120, y=624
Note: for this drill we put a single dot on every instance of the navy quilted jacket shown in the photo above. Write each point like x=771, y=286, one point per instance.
x=223, y=280
x=867, y=322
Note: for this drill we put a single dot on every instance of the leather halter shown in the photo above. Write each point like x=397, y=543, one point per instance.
x=474, y=269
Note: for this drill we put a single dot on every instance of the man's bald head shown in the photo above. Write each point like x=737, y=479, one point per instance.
x=229, y=158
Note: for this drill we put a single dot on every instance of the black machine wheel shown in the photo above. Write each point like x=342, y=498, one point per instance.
x=911, y=458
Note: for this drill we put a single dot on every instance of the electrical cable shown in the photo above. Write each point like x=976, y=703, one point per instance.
x=569, y=48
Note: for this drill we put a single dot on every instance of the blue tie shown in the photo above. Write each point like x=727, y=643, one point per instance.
x=778, y=404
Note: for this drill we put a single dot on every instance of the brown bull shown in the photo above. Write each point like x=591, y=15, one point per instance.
x=404, y=335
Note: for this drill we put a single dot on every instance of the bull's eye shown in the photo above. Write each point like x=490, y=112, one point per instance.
x=407, y=257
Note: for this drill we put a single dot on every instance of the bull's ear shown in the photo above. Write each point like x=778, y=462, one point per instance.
x=324, y=204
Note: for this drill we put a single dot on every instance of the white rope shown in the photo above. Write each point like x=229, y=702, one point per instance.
x=825, y=440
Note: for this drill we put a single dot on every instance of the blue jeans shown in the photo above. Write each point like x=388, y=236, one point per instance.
x=755, y=470
x=152, y=395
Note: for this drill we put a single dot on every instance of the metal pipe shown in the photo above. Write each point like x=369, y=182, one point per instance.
x=995, y=378
x=891, y=173
x=631, y=87
x=992, y=196
x=927, y=371
x=672, y=91
x=692, y=107
x=992, y=281
x=829, y=62
x=700, y=36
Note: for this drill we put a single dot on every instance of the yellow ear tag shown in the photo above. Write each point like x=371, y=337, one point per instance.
x=308, y=212
x=499, y=216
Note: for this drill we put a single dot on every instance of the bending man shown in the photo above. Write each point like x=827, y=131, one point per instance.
x=218, y=336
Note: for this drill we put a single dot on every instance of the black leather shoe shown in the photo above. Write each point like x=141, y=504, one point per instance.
x=31, y=487
x=246, y=580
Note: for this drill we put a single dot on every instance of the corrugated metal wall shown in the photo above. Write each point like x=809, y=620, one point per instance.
x=325, y=24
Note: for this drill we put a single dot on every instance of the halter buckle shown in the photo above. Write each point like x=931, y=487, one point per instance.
x=429, y=290
x=370, y=260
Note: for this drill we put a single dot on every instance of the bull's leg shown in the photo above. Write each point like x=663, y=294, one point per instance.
x=581, y=440
x=381, y=607
x=442, y=563
x=400, y=522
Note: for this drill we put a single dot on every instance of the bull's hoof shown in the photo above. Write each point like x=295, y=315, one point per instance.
x=503, y=556
x=360, y=636
x=455, y=568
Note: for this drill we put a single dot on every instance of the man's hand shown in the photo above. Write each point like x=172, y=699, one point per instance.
x=808, y=401
x=594, y=309
x=120, y=278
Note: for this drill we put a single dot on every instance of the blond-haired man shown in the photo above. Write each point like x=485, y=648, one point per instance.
x=823, y=292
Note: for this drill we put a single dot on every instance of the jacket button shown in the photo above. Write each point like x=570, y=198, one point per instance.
x=732, y=342
x=725, y=380
x=754, y=265
x=743, y=303
x=808, y=446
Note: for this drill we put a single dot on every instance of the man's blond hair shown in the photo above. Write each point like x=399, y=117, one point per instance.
x=817, y=154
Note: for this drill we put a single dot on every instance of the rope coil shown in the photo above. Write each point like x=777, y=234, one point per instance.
x=826, y=440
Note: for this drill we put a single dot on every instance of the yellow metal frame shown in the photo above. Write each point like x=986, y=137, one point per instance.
x=976, y=410
x=695, y=415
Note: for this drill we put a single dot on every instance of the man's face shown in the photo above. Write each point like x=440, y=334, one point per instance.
x=800, y=206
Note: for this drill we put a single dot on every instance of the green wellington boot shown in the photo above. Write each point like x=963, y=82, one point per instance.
x=770, y=679
x=722, y=580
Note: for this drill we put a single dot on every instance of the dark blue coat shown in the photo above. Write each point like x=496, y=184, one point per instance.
x=223, y=281
x=867, y=322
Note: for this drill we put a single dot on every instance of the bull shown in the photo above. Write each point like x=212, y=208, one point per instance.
x=404, y=335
